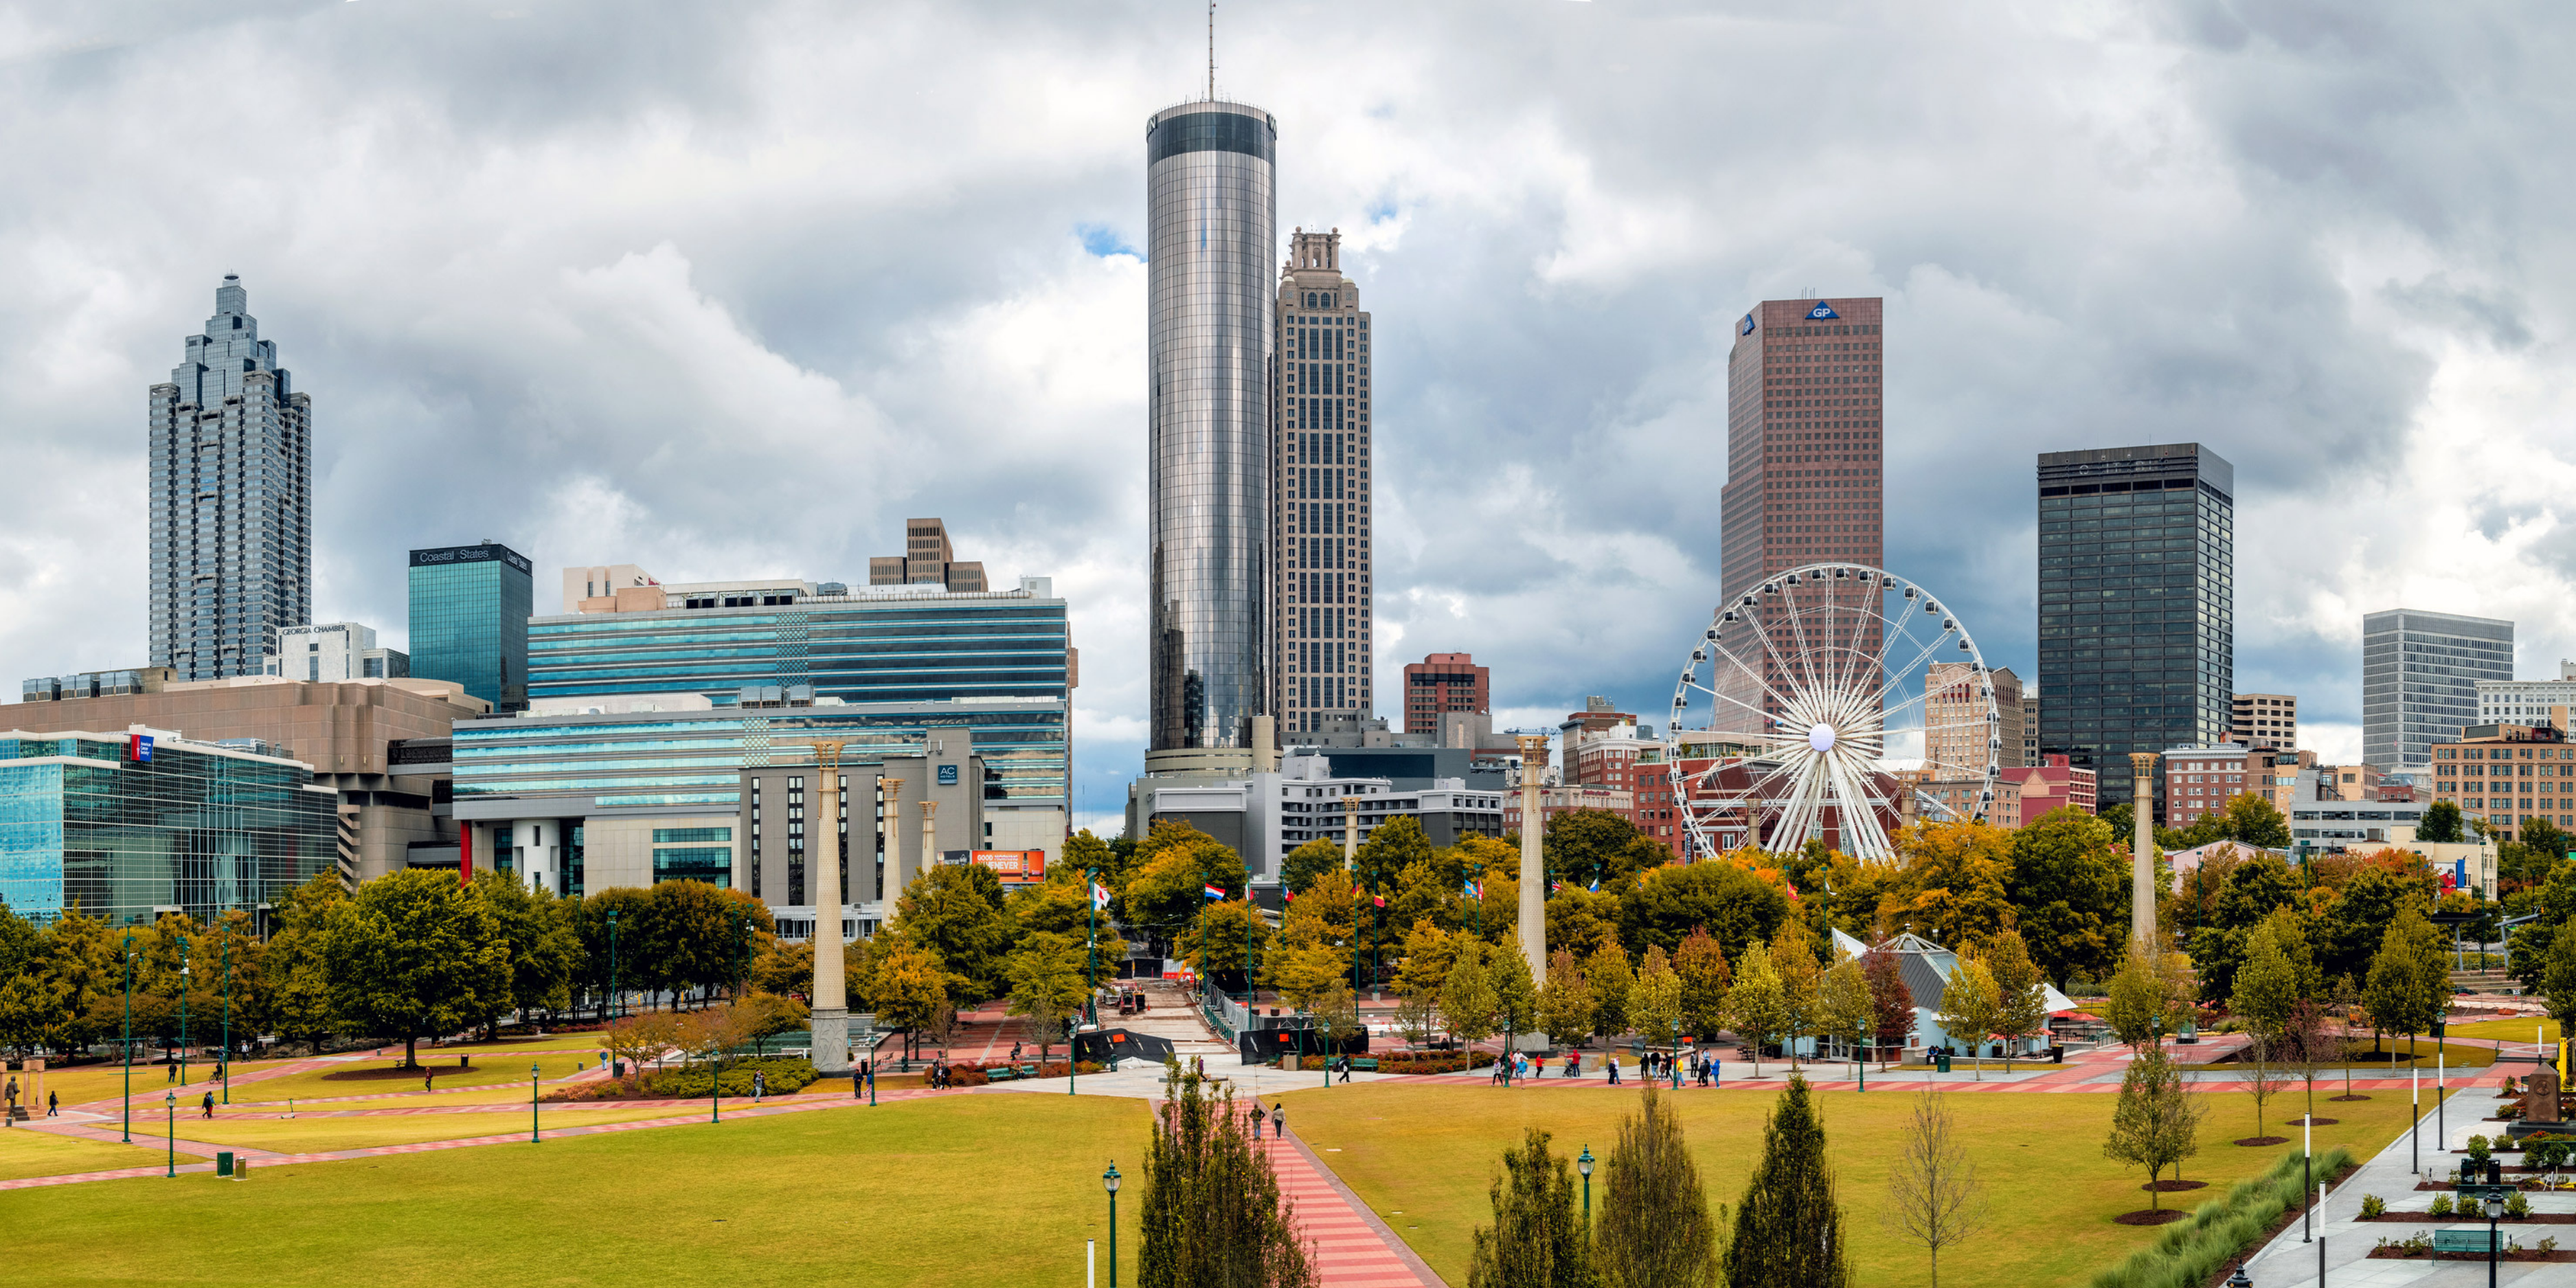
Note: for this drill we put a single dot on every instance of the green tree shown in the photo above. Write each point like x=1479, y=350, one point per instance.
x=1467, y=997
x=2252, y=819
x=1212, y=1211
x=1565, y=1001
x=1656, y=1002
x=2558, y=979
x=1048, y=977
x=1701, y=964
x=2267, y=986
x=299, y=980
x=1891, y=1003
x=2136, y=1004
x=544, y=949
x=1395, y=845
x=955, y=911
x=1614, y=987
x=1537, y=1239
x=1757, y=1004
x=1583, y=846
x=1656, y=1229
x=2021, y=1002
x=1951, y=887
x=2408, y=980
x=1730, y=903
x=1793, y=960
x=1515, y=992
x=1789, y=1229
x=905, y=984
x=1971, y=1005
x=1429, y=951
x=2156, y=1125
x=1309, y=862
x=1581, y=920
x=2441, y=824
x=1843, y=1006
x=414, y=954
x=2069, y=886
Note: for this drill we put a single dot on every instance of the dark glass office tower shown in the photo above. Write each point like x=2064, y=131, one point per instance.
x=2137, y=605
x=231, y=465
x=469, y=620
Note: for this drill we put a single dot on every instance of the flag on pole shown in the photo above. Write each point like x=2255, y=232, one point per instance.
x=1211, y=891
x=1099, y=895
x=1595, y=887
x=1554, y=886
x=1381, y=900
x=1473, y=892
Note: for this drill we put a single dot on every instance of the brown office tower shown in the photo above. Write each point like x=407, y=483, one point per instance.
x=1802, y=456
x=1444, y=682
x=1320, y=508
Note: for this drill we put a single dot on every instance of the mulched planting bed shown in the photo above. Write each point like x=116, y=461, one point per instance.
x=2313, y=1122
x=396, y=1073
x=2151, y=1216
x=2344, y=1099
x=2264, y=1140
x=2170, y=1187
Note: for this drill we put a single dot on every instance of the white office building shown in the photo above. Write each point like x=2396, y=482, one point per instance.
x=1264, y=816
x=334, y=651
x=2526, y=701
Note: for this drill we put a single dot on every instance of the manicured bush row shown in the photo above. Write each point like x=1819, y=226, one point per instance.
x=784, y=1076
x=1432, y=1063
x=2190, y=1252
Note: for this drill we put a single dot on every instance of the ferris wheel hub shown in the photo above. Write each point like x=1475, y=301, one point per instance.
x=1821, y=737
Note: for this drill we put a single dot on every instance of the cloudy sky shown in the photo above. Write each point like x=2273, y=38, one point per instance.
x=730, y=290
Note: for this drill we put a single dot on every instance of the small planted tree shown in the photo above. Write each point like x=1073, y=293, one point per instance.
x=1613, y=985
x=1467, y=998
x=1212, y=1212
x=1890, y=1001
x=2157, y=1123
x=1934, y=1198
x=1656, y=1229
x=1657, y=999
x=1843, y=1008
x=1758, y=1004
x=2265, y=1080
x=2021, y=1000
x=1789, y=1229
x=1537, y=1239
x=1970, y=1005
x=1565, y=1001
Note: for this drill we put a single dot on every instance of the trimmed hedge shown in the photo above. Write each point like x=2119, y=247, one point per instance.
x=1431, y=1063
x=2189, y=1253
x=786, y=1075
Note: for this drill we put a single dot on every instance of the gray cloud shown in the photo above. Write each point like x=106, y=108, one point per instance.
x=733, y=290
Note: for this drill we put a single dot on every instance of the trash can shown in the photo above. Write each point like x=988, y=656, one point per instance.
x=223, y=1162
x=2057, y=1055
x=241, y=1168
x=1942, y=1062
x=460, y=1062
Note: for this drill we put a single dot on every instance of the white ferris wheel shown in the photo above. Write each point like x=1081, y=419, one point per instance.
x=1840, y=701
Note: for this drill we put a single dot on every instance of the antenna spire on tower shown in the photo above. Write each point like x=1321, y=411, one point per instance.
x=1211, y=51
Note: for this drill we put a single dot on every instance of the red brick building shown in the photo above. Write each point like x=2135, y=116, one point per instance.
x=1441, y=683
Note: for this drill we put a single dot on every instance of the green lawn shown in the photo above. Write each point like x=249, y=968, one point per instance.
x=492, y=1078
x=1423, y=1156
x=94, y=1082
x=2517, y=1032
x=34, y=1153
x=316, y=1134
x=970, y=1190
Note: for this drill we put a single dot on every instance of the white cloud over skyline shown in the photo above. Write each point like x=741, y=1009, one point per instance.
x=732, y=291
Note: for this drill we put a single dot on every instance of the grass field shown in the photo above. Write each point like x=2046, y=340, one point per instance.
x=310, y=1134
x=34, y=1153
x=959, y=1191
x=497, y=1077
x=2517, y=1032
x=1423, y=1156
x=92, y=1082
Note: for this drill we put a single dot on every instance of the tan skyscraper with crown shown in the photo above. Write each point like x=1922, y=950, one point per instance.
x=1322, y=562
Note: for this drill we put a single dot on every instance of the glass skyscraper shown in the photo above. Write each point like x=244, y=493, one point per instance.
x=121, y=827
x=1212, y=221
x=996, y=663
x=231, y=465
x=2419, y=680
x=2137, y=606
x=469, y=620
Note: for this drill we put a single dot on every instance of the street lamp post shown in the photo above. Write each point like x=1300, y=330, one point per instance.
x=170, y=1130
x=1584, y=1165
x=2495, y=1209
x=183, y=1012
x=715, y=1089
x=532, y=1104
x=225, y=1066
x=129, y=1037
x=2238, y=1280
x=1109, y=1181
x=620, y=1002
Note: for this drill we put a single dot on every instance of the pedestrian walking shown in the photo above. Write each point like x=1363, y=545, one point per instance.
x=1612, y=1063
x=858, y=1076
x=170, y=1068
x=1015, y=1053
x=1279, y=1119
x=1256, y=1120
x=53, y=1104
x=1346, y=1068
x=1574, y=1064
x=209, y=1110
x=759, y=1084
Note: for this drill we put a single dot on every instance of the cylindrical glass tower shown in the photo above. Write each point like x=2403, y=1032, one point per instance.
x=1212, y=220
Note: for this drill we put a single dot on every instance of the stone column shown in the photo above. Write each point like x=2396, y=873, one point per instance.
x=894, y=877
x=823, y=881
x=1533, y=870
x=929, y=834
x=1350, y=830
x=2142, y=849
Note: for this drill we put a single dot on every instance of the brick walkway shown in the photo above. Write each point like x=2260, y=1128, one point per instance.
x=1352, y=1248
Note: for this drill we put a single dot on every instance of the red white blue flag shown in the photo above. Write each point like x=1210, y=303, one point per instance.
x=1211, y=891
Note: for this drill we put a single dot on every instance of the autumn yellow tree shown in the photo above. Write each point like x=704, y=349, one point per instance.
x=1950, y=887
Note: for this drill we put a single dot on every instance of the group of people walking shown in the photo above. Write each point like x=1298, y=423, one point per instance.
x=1700, y=1067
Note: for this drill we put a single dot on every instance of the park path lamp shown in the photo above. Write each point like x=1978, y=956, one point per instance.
x=715, y=1088
x=1109, y=1181
x=2238, y=1280
x=532, y=1104
x=1584, y=1165
x=170, y=1132
x=2495, y=1210
x=129, y=1037
x=183, y=1012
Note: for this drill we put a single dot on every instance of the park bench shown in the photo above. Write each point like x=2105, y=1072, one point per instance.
x=1001, y=1073
x=1365, y=1064
x=2461, y=1239
x=1027, y=1071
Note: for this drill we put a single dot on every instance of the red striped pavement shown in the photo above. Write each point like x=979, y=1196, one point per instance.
x=1351, y=1248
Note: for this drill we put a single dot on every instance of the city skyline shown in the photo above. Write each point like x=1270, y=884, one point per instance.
x=901, y=329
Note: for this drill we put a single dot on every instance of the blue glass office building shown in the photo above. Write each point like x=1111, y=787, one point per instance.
x=997, y=664
x=99, y=822
x=469, y=620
